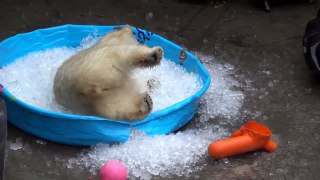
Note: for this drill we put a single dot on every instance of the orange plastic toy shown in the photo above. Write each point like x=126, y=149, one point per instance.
x=252, y=136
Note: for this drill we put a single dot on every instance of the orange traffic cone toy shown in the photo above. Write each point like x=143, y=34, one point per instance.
x=252, y=136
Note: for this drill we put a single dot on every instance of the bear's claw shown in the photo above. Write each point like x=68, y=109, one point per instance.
x=148, y=102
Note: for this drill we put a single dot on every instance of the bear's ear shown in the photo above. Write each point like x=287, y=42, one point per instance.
x=128, y=27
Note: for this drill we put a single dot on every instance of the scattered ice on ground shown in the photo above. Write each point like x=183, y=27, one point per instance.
x=177, y=154
x=149, y=16
x=16, y=145
x=40, y=141
x=265, y=72
x=308, y=90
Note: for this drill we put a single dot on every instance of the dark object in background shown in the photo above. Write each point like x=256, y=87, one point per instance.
x=3, y=136
x=311, y=44
x=267, y=5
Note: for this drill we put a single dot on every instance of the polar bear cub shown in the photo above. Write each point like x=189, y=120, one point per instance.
x=97, y=81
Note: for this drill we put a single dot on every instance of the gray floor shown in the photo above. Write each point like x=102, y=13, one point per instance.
x=251, y=39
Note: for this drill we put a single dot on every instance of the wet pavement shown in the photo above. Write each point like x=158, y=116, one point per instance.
x=263, y=47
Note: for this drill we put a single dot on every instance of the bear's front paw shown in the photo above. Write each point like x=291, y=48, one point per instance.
x=153, y=58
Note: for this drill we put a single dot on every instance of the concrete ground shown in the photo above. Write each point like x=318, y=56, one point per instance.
x=263, y=47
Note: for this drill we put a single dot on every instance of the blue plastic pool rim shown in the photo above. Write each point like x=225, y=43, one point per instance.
x=7, y=95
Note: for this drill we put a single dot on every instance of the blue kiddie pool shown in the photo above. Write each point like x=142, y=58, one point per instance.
x=90, y=130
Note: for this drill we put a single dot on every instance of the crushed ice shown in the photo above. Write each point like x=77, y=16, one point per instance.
x=221, y=99
x=161, y=155
x=182, y=153
x=179, y=154
x=16, y=145
x=42, y=142
x=35, y=73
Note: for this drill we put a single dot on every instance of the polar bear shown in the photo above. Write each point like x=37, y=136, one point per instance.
x=97, y=81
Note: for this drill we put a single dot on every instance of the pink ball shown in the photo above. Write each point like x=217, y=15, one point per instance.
x=113, y=170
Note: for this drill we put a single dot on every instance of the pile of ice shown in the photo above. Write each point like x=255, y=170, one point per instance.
x=177, y=154
x=30, y=79
x=181, y=154
x=221, y=99
x=172, y=83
